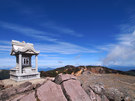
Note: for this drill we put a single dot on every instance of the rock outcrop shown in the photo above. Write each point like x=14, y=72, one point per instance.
x=112, y=87
x=64, y=87
x=96, y=92
x=72, y=88
x=50, y=91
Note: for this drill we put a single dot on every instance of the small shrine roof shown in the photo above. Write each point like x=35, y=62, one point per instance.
x=22, y=47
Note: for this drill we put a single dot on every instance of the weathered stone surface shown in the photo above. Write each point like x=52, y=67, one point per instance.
x=96, y=92
x=16, y=97
x=64, y=77
x=5, y=94
x=127, y=99
x=50, y=91
x=1, y=85
x=114, y=94
x=72, y=88
x=8, y=86
x=27, y=86
x=92, y=95
x=98, y=89
x=8, y=92
x=29, y=97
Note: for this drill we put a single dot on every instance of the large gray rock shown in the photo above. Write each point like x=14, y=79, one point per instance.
x=114, y=94
x=50, y=91
x=72, y=88
x=96, y=92
x=92, y=95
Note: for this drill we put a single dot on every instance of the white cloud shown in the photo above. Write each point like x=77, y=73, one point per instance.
x=63, y=48
x=37, y=34
x=7, y=61
x=5, y=48
x=122, y=53
x=62, y=30
x=5, y=42
x=56, y=47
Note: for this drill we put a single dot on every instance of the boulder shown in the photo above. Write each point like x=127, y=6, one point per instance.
x=96, y=92
x=72, y=88
x=92, y=95
x=29, y=97
x=27, y=86
x=50, y=91
x=6, y=93
x=64, y=77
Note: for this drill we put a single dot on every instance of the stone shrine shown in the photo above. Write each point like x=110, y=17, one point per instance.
x=23, y=53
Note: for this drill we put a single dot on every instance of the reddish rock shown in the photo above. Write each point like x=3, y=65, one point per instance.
x=50, y=91
x=16, y=97
x=27, y=86
x=72, y=88
x=24, y=97
x=29, y=97
x=64, y=77
x=73, y=91
x=5, y=94
x=11, y=91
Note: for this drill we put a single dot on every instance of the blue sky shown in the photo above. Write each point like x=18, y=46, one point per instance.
x=70, y=32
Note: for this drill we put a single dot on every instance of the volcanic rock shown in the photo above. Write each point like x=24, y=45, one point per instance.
x=72, y=88
x=50, y=91
x=29, y=97
x=27, y=86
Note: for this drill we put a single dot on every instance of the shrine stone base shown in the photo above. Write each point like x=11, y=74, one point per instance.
x=22, y=77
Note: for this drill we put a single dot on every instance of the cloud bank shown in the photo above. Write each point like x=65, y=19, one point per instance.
x=123, y=53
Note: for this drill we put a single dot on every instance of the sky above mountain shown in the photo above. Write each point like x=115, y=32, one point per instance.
x=70, y=32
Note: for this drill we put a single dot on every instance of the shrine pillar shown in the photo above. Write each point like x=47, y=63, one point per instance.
x=36, y=62
x=20, y=63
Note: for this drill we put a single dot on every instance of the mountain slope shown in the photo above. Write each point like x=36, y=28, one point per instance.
x=4, y=74
x=69, y=69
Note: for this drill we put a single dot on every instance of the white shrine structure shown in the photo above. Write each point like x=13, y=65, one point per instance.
x=23, y=70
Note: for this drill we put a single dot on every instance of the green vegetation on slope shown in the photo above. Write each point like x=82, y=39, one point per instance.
x=4, y=74
x=69, y=69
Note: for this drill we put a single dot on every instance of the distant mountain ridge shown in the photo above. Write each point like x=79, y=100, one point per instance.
x=69, y=69
x=45, y=69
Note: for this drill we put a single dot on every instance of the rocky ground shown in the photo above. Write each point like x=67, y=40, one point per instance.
x=117, y=87
x=66, y=87
x=63, y=88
